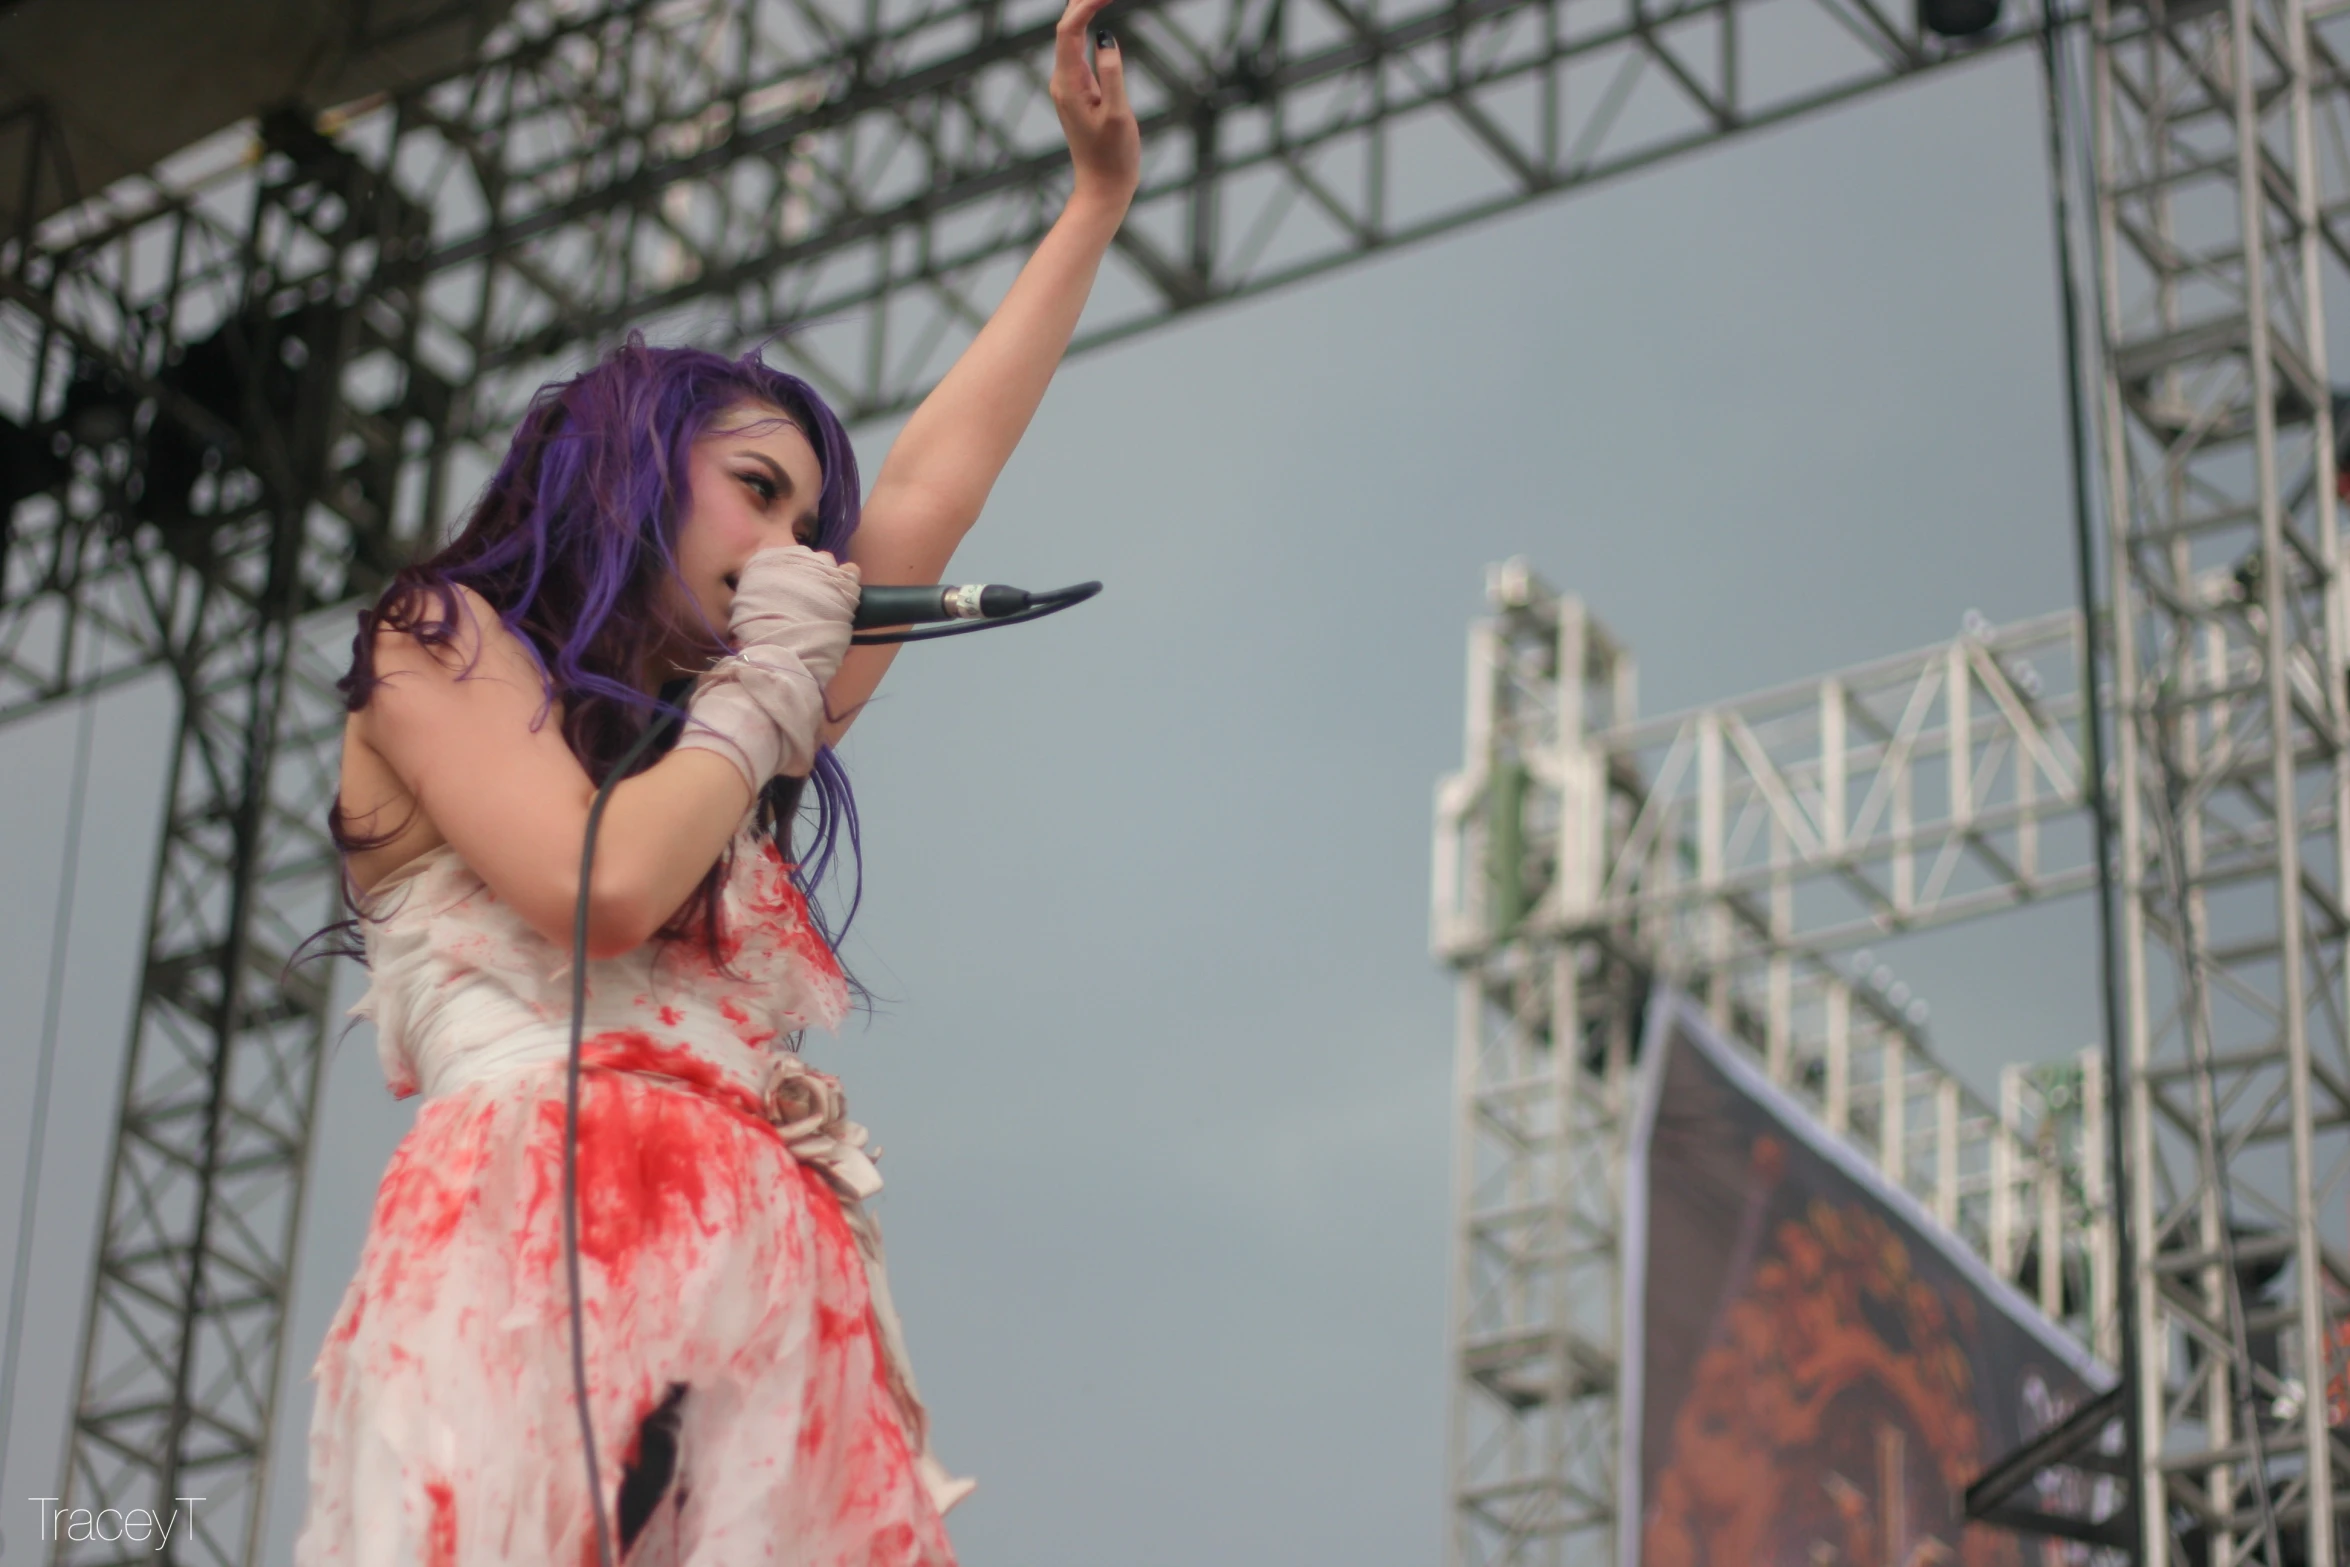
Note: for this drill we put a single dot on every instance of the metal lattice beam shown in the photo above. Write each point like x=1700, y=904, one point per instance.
x=1904, y=794
x=2221, y=177
x=219, y=535
x=864, y=181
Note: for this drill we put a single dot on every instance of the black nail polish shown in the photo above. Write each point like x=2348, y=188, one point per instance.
x=1103, y=40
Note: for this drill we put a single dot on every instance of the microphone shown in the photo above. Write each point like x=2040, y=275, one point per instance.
x=899, y=606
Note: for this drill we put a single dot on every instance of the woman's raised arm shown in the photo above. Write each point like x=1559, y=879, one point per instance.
x=939, y=470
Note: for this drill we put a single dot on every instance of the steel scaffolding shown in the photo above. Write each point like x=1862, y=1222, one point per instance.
x=1580, y=851
x=2218, y=226
x=1742, y=851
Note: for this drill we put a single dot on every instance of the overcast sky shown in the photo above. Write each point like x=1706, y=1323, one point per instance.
x=1163, y=1074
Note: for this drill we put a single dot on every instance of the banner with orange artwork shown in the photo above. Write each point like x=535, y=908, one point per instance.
x=1814, y=1369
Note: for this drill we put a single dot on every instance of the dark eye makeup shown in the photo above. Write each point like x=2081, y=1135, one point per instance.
x=807, y=530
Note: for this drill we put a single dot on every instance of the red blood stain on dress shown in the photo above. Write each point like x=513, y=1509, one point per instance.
x=677, y=1203
x=835, y=1326
x=443, y=1540
x=648, y=1163
x=348, y=1328
x=776, y=907
x=732, y=1011
x=419, y=1206
x=879, y=1465
x=879, y=1470
x=782, y=910
x=634, y=1050
x=423, y=1202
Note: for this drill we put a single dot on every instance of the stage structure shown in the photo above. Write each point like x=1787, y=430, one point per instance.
x=237, y=391
x=2220, y=176
x=1747, y=853
x=1738, y=852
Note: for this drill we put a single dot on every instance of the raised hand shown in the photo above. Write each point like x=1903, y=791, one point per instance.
x=948, y=454
x=1105, y=143
x=795, y=598
x=763, y=707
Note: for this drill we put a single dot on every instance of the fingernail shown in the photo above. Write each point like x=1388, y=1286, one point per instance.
x=1103, y=40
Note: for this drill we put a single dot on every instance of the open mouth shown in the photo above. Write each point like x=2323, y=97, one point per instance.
x=733, y=580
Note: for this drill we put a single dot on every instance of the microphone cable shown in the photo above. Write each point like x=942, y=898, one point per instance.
x=1040, y=605
x=579, y=930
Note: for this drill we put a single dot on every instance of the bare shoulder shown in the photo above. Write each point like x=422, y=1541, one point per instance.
x=377, y=803
x=464, y=697
x=472, y=640
x=429, y=662
x=459, y=741
x=415, y=679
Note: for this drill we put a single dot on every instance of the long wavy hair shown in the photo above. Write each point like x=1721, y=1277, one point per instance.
x=574, y=544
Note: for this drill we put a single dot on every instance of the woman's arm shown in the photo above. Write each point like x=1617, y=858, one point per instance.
x=947, y=457
x=513, y=800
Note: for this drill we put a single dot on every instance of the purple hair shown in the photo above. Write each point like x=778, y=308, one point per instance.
x=573, y=543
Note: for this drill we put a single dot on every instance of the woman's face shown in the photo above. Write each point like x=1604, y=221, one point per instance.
x=754, y=479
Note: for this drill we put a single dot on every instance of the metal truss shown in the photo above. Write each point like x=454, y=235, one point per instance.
x=854, y=183
x=2220, y=174
x=235, y=393
x=1583, y=853
x=1743, y=846
x=2053, y=1227
x=203, y=495
x=1904, y=794
x=862, y=178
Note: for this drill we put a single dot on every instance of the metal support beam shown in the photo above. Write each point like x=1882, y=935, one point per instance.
x=2215, y=216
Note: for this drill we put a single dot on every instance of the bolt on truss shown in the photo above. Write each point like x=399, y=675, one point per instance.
x=1583, y=853
x=2222, y=163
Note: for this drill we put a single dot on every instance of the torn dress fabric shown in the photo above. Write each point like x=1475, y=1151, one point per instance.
x=746, y=1377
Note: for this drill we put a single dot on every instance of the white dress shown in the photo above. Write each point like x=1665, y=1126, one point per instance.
x=724, y=1252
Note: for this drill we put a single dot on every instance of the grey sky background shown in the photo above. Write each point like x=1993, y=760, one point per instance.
x=1162, y=1074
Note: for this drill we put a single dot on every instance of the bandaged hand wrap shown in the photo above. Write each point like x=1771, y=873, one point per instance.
x=762, y=708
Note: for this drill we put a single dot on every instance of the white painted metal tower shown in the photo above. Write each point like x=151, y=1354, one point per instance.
x=1747, y=852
